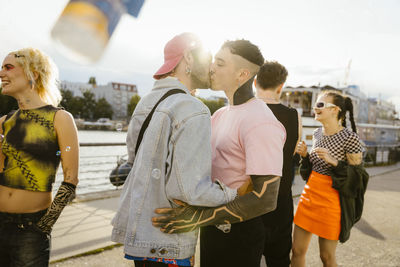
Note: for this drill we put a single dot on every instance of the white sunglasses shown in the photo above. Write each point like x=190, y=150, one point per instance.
x=322, y=104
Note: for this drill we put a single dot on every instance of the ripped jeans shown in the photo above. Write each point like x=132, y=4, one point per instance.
x=21, y=243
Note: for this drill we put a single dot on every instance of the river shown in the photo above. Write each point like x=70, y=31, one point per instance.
x=96, y=162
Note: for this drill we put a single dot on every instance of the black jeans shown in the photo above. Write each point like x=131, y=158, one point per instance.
x=278, y=244
x=278, y=236
x=21, y=244
x=241, y=247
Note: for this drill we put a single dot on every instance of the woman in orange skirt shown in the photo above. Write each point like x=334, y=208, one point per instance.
x=319, y=210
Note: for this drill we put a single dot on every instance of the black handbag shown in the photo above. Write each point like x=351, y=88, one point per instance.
x=118, y=174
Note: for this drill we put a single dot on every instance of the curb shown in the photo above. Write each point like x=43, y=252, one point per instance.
x=87, y=253
x=97, y=195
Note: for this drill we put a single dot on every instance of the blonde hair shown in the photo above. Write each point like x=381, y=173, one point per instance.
x=35, y=62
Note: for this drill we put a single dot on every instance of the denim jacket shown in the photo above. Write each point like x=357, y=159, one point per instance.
x=173, y=162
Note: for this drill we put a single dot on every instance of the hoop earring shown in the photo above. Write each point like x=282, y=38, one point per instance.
x=188, y=70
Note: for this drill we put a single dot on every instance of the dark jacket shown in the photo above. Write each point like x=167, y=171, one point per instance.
x=351, y=182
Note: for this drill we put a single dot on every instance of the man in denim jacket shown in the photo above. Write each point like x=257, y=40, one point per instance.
x=173, y=160
x=247, y=145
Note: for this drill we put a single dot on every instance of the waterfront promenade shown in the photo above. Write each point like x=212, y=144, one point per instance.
x=85, y=226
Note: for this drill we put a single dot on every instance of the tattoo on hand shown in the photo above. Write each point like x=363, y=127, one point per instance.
x=187, y=218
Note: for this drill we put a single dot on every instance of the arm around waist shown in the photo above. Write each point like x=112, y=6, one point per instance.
x=190, y=177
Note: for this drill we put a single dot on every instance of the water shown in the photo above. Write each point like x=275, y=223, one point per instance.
x=96, y=162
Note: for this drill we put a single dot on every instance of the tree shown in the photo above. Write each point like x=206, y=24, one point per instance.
x=213, y=105
x=76, y=106
x=71, y=103
x=92, y=81
x=103, y=109
x=88, y=106
x=67, y=99
x=132, y=104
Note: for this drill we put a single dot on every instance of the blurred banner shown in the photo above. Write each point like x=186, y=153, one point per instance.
x=84, y=28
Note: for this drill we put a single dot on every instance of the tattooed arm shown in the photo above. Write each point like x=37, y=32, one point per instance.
x=187, y=218
x=68, y=142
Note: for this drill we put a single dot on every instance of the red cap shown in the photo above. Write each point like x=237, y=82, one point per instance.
x=173, y=51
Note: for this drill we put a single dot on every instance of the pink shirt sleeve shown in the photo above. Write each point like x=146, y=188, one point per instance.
x=263, y=146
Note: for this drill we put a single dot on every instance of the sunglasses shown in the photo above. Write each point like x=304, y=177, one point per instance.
x=322, y=104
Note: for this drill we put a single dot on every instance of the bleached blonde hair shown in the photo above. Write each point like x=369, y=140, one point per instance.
x=35, y=62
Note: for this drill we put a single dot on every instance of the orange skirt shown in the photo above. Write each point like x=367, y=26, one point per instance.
x=318, y=211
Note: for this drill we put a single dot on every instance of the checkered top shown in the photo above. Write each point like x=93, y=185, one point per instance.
x=339, y=144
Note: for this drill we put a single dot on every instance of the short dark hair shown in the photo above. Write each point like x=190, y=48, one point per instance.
x=245, y=49
x=271, y=74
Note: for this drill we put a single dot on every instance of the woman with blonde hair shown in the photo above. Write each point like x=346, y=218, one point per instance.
x=332, y=199
x=34, y=139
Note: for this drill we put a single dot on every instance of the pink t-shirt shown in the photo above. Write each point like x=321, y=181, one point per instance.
x=246, y=140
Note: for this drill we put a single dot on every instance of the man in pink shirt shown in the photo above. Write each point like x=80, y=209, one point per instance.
x=247, y=142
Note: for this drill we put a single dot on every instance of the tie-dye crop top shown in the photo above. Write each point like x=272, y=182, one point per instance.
x=30, y=148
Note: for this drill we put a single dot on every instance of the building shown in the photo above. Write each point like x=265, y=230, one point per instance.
x=117, y=94
x=386, y=112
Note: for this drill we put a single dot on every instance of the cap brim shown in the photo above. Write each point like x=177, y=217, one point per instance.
x=167, y=67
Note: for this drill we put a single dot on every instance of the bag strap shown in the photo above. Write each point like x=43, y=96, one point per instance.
x=147, y=120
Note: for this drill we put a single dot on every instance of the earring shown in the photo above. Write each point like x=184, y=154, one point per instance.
x=188, y=70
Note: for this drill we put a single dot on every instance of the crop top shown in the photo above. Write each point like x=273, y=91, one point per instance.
x=339, y=144
x=31, y=150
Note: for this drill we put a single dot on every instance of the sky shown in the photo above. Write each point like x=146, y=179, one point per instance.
x=314, y=39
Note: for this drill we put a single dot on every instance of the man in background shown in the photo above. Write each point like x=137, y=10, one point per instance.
x=278, y=223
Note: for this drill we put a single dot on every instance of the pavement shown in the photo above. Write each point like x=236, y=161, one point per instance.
x=81, y=236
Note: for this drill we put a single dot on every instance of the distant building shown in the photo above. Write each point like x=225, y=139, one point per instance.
x=117, y=94
x=386, y=112
x=75, y=87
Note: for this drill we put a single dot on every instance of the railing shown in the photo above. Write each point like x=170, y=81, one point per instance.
x=101, y=144
x=382, y=154
x=96, y=161
x=95, y=166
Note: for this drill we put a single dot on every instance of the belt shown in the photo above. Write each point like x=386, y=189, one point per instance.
x=22, y=220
